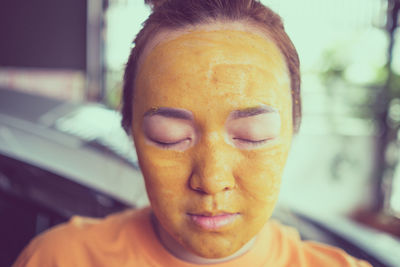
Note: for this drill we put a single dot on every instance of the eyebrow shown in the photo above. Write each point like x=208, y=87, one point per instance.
x=170, y=113
x=252, y=111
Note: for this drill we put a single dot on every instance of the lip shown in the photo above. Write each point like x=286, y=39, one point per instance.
x=213, y=222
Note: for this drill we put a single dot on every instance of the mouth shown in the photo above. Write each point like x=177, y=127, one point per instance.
x=213, y=222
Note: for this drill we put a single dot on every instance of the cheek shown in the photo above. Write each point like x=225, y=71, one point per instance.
x=259, y=176
x=166, y=172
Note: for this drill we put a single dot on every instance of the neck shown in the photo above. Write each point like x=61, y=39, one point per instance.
x=176, y=249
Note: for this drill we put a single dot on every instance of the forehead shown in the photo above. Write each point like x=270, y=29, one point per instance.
x=228, y=63
x=165, y=35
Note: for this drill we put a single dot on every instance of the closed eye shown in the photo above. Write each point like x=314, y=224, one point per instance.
x=170, y=145
x=252, y=142
x=168, y=133
x=255, y=131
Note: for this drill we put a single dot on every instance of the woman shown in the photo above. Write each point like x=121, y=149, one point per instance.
x=211, y=99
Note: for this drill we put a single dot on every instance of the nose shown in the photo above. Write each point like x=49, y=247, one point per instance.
x=213, y=172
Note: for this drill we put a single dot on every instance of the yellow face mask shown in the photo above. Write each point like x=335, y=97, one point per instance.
x=212, y=128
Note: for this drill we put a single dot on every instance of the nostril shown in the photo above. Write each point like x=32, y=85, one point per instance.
x=229, y=187
x=199, y=190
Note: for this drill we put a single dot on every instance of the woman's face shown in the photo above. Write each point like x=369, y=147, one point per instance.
x=212, y=128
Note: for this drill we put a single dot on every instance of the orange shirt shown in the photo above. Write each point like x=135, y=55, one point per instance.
x=128, y=239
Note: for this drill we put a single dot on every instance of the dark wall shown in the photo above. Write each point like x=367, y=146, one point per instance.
x=43, y=34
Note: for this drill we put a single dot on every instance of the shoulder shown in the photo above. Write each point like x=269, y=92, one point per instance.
x=317, y=254
x=74, y=242
x=308, y=253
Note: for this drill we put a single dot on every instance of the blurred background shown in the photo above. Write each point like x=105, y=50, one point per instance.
x=63, y=152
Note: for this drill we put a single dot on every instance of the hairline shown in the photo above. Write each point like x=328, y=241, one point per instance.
x=168, y=33
x=254, y=17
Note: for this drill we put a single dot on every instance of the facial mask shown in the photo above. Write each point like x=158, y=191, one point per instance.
x=212, y=125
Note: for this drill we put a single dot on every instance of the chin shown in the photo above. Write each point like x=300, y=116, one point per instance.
x=215, y=254
x=213, y=247
x=221, y=255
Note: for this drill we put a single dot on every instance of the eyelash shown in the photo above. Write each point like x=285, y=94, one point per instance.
x=253, y=143
x=168, y=145
x=246, y=141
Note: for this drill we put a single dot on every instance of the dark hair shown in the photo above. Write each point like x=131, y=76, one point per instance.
x=175, y=14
